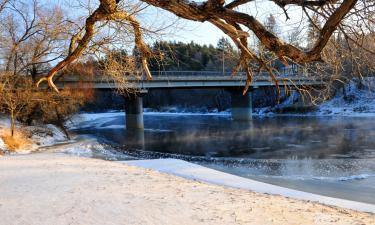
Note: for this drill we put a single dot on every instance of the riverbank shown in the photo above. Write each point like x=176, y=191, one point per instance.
x=61, y=189
x=27, y=139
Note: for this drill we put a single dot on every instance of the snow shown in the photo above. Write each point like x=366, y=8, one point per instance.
x=40, y=135
x=50, y=135
x=199, y=173
x=103, y=120
x=60, y=189
x=3, y=147
x=357, y=102
x=89, y=147
x=86, y=120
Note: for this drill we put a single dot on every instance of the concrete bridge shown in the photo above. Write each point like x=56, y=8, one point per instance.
x=241, y=104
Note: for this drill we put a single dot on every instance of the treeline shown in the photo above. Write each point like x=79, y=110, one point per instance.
x=179, y=56
x=167, y=56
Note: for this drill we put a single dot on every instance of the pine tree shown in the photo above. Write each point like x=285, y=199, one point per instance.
x=313, y=31
x=271, y=25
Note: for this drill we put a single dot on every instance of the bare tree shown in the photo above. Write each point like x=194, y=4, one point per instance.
x=3, y=4
x=228, y=17
x=33, y=37
x=16, y=97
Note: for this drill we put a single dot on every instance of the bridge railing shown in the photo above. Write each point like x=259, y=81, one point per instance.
x=189, y=75
x=281, y=73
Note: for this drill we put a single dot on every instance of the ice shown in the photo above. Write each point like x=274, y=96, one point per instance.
x=196, y=172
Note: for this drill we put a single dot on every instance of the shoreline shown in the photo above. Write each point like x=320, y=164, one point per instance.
x=196, y=172
x=66, y=189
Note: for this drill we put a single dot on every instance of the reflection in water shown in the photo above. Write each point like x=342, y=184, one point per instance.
x=135, y=138
x=333, y=156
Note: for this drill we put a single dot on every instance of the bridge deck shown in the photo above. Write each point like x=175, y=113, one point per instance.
x=193, y=79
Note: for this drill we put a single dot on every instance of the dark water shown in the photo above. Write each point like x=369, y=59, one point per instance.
x=325, y=155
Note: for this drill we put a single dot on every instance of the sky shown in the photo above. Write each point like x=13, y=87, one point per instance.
x=202, y=33
x=206, y=33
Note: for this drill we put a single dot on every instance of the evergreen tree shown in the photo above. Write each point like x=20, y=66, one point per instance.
x=191, y=56
x=313, y=31
x=271, y=25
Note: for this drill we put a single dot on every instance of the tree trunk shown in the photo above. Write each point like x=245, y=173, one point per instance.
x=12, y=125
x=34, y=74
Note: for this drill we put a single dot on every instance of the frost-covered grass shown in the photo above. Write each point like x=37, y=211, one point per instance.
x=16, y=142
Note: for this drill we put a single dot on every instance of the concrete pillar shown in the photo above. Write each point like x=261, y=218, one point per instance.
x=134, y=112
x=241, y=105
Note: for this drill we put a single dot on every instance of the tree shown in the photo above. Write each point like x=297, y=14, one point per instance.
x=32, y=37
x=227, y=54
x=271, y=25
x=313, y=31
x=229, y=18
x=15, y=97
x=192, y=56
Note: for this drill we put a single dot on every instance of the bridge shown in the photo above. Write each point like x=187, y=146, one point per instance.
x=192, y=79
x=241, y=104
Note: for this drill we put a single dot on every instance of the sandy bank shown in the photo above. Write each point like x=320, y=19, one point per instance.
x=60, y=189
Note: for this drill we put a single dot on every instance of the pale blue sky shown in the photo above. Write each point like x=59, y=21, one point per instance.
x=203, y=33
x=206, y=33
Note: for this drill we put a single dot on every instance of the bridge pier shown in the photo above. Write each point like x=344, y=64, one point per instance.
x=134, y=111
x=241, y=105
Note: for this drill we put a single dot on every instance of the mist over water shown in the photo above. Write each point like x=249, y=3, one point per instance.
x=333, y=156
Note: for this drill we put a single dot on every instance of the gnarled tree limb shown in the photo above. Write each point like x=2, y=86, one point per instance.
x=106, y=11
x=226, y=18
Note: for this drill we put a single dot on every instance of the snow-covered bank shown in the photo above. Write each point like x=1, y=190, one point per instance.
x=352, y=101
x=64, y=189
x=33, y=137
x=88, y=147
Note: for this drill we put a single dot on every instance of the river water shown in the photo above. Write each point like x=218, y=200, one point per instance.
x=333, y=156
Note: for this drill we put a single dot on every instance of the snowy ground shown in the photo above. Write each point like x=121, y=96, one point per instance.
x=356, y=102
x=164, y=195
x=38, y=136
x=196, y=172
x=60, y=189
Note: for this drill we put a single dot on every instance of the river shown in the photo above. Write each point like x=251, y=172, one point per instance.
x=333, y=156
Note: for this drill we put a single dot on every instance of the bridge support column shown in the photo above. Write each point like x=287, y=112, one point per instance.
x=241, y=105
x=134, y=112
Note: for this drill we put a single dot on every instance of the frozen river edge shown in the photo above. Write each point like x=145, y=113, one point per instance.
x=199, y=173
